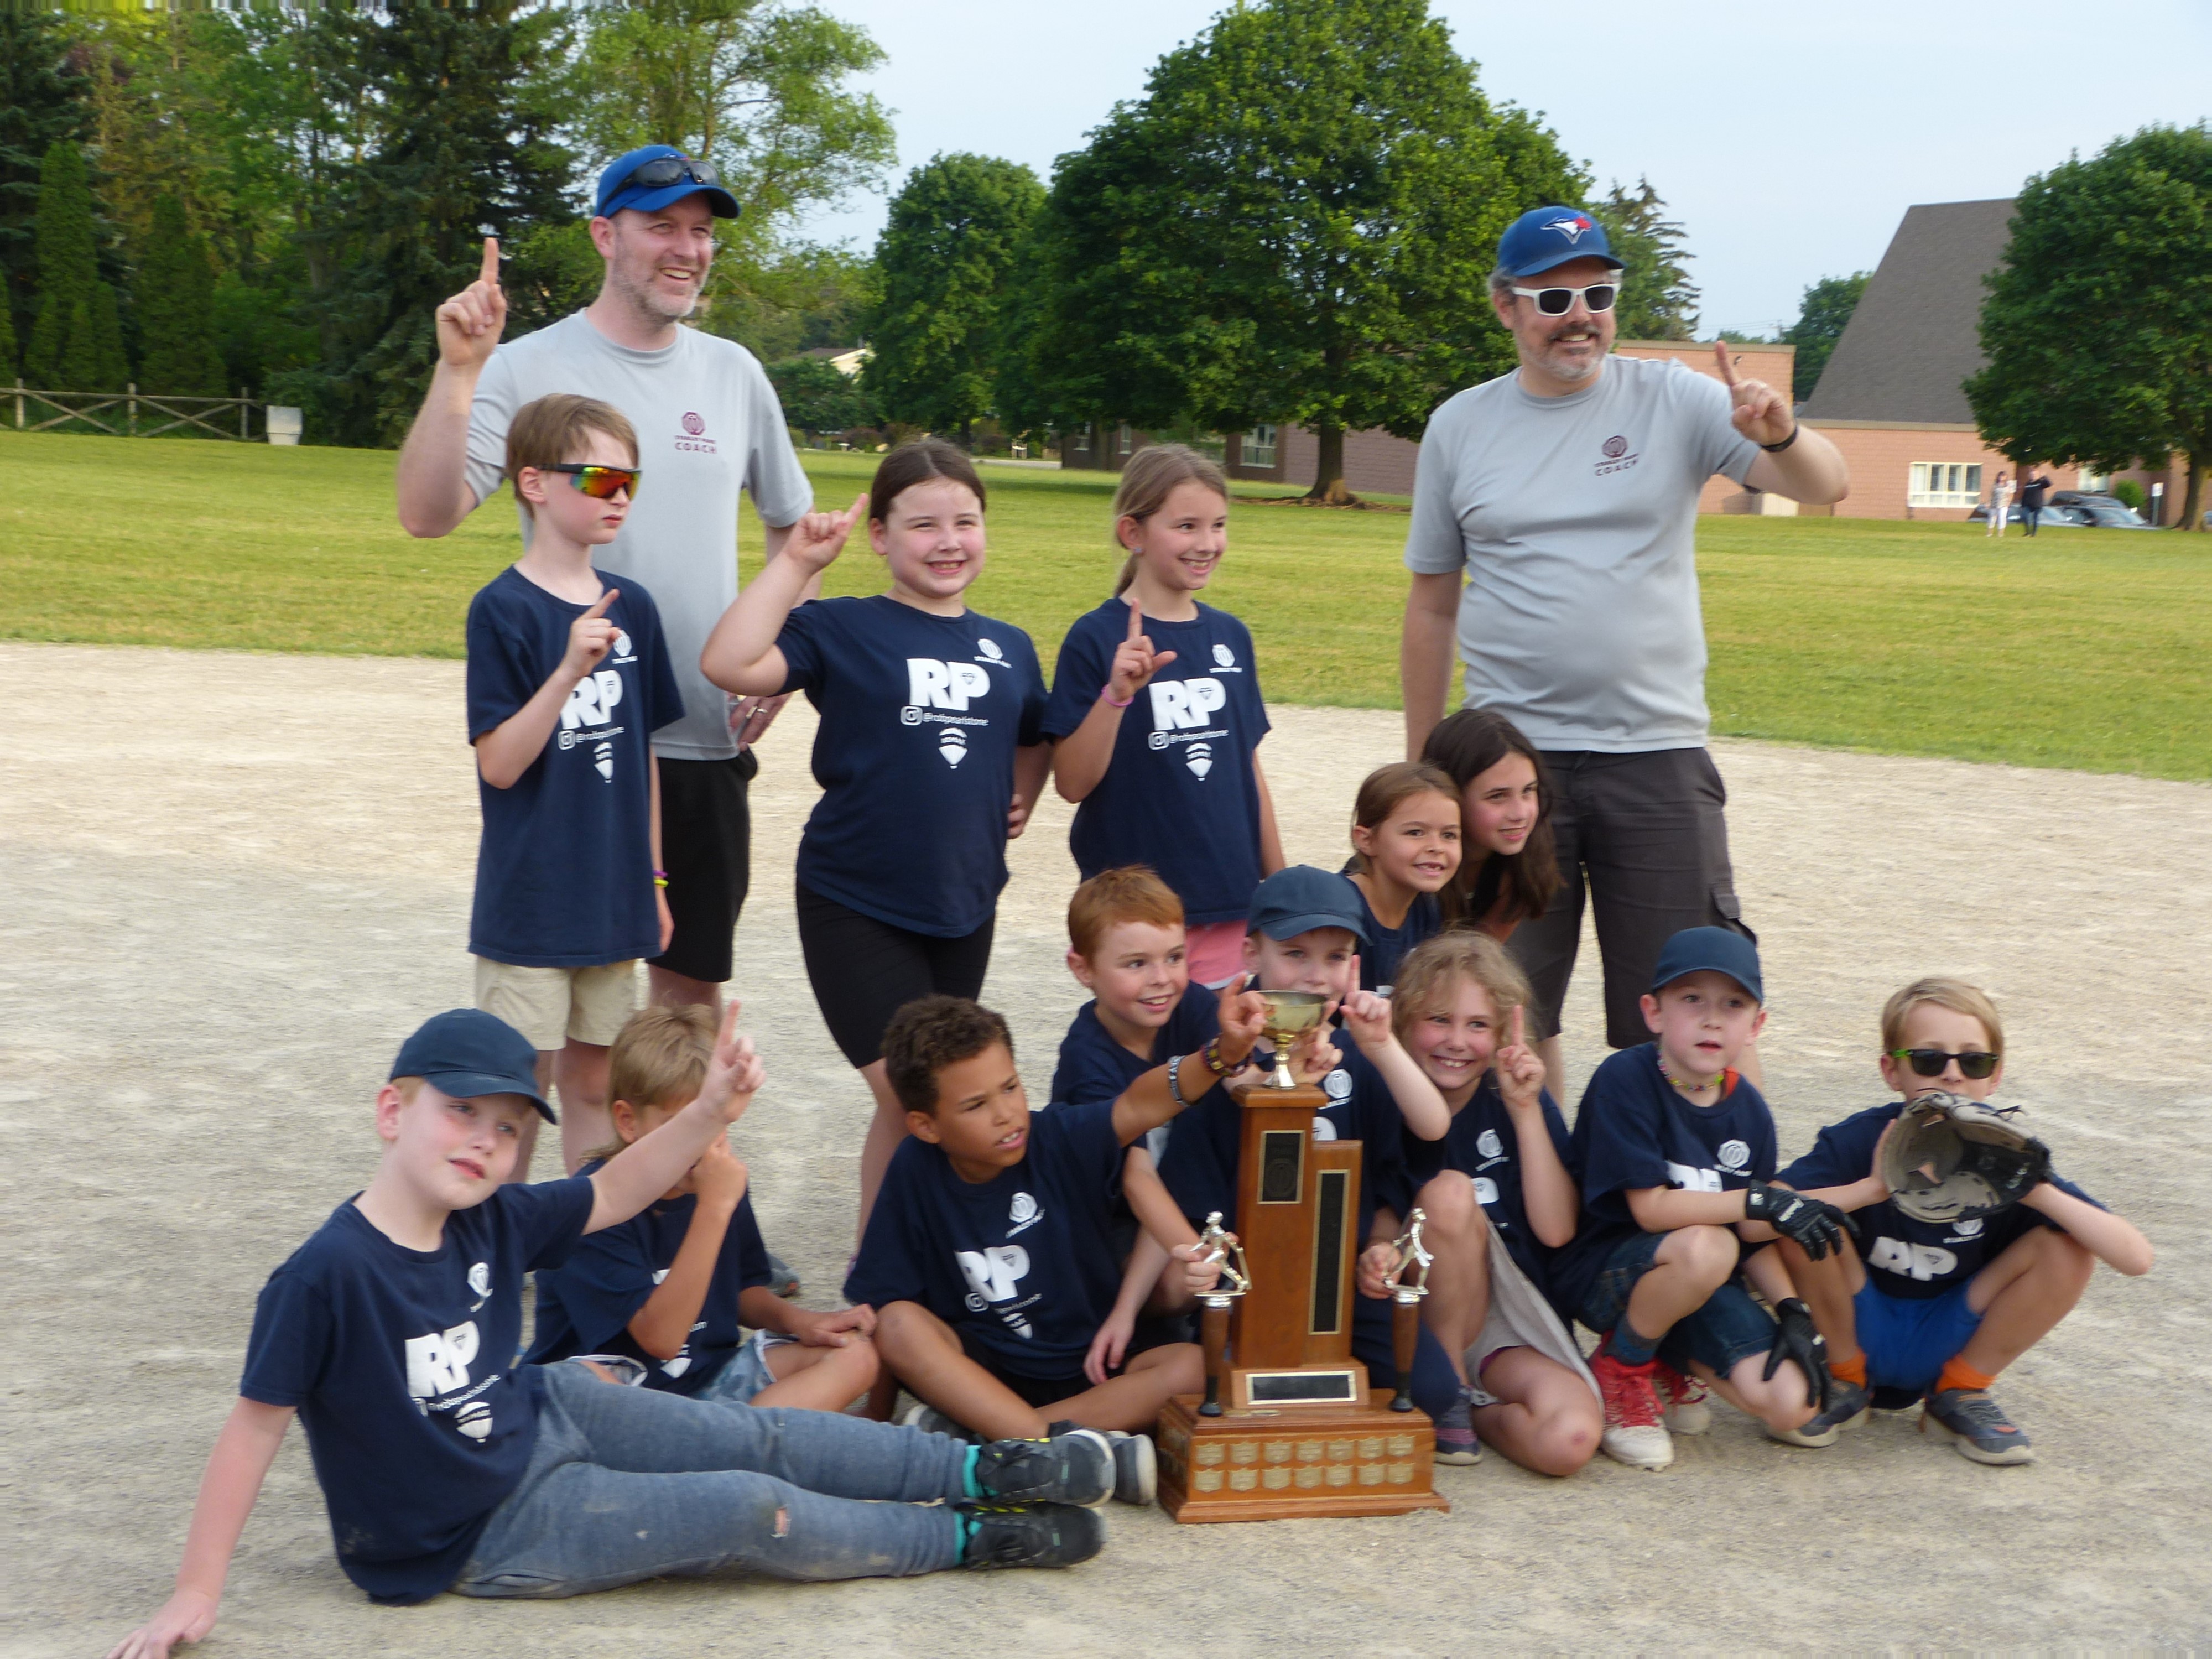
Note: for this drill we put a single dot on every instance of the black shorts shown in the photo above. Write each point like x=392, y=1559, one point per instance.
x=1041, y=1391
x=706, y=842
x=864, y=970
x=1647, y=832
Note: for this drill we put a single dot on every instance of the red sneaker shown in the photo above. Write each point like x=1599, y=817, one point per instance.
x=1633, y=1433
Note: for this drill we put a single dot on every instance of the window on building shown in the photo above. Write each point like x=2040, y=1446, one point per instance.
x=1128, y=439
x=1258, y=447
x=1945, y=484
x=1080, y=440
x=2094, y=482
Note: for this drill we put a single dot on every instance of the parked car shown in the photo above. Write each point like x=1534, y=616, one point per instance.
x=2049, y=515
x=2112, y=516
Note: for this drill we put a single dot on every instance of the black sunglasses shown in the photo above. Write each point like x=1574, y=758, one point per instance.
x=667, y=169
x=1975, y=1063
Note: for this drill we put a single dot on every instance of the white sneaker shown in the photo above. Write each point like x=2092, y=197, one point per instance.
x=1683, y=1398
x=1641, y=1446
x=1633, y=1433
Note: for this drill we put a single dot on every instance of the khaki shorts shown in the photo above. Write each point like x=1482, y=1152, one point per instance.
x=552, y=1007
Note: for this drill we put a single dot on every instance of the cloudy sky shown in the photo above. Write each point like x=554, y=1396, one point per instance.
x=1786, y=138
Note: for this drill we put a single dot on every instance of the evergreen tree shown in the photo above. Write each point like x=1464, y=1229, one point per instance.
x=11, y=356
x=944, y=260
x=175, y=302
x=41, y=103
x=76, y=344
x=1658, y=300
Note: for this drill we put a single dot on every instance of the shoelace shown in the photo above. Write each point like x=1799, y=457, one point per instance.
x=1631, y=1402
x=1676, y=1388
x=1979, y=1410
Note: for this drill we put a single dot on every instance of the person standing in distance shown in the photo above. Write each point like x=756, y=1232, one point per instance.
x=708, y=425
x=1554, y=510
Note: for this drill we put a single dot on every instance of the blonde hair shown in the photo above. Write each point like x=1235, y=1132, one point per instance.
x=1435, y=967
x=1148, y=478
x=546, y=432
x=1938, y=992
x=1387, y=788
x=1135, y=892
x=659, y=1059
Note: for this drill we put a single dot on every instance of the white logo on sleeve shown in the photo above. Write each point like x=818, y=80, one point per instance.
x=933, y=684
x=1489, y=1146
x=1734, y=1155
x=1692, y=1180
x=1183, y=705
x=439, y=1362
x=1924, y=1262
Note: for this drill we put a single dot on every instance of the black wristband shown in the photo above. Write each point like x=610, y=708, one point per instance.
x=1776, y=449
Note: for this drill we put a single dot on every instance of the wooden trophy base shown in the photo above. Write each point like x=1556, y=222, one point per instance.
x=1293, y=1462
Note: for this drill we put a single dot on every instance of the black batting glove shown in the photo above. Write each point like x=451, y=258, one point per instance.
x=1795, y=1339
x=1816, y=1228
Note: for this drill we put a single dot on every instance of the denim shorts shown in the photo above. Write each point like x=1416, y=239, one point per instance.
x=1729, y=1329
x=1908, y=1340
x=746, y=1372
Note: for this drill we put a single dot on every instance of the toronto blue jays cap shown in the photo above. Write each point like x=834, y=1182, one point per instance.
x=1301, y=898
x=1714, y=950
x=465, y=1053
x=1547, y=236
x=648, y=179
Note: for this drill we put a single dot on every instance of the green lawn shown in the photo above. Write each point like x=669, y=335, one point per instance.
x=2085, y=648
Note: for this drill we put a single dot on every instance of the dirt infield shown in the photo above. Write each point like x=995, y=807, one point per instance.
x=232, y=884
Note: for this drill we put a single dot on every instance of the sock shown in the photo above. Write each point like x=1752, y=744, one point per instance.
x=967, y=1523
x=968, y=1486
x=1957, y=1374
x=1630, y=1349
x=1849, y=1370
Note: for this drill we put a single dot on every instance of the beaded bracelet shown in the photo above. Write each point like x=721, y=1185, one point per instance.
x=660, y=879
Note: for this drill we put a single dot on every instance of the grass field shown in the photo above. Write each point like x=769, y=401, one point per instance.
x=2085, y=648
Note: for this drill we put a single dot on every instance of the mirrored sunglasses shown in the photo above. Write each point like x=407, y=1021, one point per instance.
x=600, y=482
x=664, y=170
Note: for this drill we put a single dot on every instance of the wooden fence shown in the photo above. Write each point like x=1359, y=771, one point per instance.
x=119, y=413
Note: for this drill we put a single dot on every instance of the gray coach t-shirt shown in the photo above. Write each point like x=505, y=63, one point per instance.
x=708, y=423
x=1573, y=519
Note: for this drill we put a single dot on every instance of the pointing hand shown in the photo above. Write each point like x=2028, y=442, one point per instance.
x=1758, y=411
x=1135, y=662
x=471, y=323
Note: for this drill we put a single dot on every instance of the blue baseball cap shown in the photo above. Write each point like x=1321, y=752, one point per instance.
x=1716, y=950
x=1301, y=898
x=1547, y=236
x=465, y=1053
x=618, y=189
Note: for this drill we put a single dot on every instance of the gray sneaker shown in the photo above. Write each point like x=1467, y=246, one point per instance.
x=1847, y=1409
x=930, y=1420
x=1976, y=1425
x=1456, y=1440
x=781, y=1278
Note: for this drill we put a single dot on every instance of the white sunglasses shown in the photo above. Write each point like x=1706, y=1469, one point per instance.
x=1559, y=301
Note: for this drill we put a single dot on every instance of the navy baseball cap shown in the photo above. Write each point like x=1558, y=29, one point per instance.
x=1547, y=236
x=465, y=1053
x=1717, y=950
x=1300, y=898
x=618, y=189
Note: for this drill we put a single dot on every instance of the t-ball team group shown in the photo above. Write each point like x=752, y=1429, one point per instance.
x=1028, y=1276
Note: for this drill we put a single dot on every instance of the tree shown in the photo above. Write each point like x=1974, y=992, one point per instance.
x=1820, y=320
x=1658, y=300
x=76, y=344
x=944, y=260
x=819, y=397
x=2098, y=326
x=175, y=300
x=11, y=357
x=41, y=104
x=1296, y=223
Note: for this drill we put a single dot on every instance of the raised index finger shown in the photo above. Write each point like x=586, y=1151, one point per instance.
x=491, y=272
x=606, y=599
x=1728, y=368
x=1520, y=1025
x=1136, y=620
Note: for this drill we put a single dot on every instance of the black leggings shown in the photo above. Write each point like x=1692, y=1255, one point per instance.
x=864, y=971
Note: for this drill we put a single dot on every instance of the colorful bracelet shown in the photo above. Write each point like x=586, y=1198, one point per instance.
x=1174, y=1079
x=1214, y=1063
x=660, y=879
x=1111, y=702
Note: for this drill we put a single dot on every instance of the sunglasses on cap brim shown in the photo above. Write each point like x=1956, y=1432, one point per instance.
x=664, y=170
x=600, y=482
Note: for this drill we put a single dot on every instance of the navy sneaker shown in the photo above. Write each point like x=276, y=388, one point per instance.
x=1076, y=1469
x=1028, y=1534
x=1976, y=1425
x=1847, y=1409
x=1456, y=1441
x=782, y=1280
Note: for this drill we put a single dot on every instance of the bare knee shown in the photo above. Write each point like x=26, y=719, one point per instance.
x=1566, y=1440
x=907, y=1329
x=1448, y=1205
x=1708, y=1255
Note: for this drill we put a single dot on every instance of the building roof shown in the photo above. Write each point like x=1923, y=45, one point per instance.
x=1915, y=335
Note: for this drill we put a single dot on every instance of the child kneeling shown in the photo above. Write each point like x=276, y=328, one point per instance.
x=443, y=1466
x=671, y=1288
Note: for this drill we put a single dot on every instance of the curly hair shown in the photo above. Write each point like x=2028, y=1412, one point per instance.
x=931, y=1033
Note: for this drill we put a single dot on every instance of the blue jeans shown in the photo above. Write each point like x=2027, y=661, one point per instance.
x=1727, y=1330
x=626, y=1483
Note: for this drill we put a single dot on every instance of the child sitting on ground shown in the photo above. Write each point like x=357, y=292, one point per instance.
x=1305, y=929
x=1406, y=850
x=1675, y=1150
x=447, y=1467
x=670, y=1287
x=568, y=677
x=1500, y=1202
x=1933, y=1311
x=990, y=1259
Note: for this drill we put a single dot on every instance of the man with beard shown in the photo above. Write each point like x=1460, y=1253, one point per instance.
x=1554, y=519
x=709, y=424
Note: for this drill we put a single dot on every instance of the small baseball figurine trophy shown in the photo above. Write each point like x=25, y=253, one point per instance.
x=1409, y=1283
x=1288, y=1425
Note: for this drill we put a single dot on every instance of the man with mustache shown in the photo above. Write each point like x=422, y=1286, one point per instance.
x=708, y=425
x=1554, y=513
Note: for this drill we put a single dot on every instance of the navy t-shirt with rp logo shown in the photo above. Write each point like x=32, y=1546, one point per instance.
x=564, y=871
x=1484, y=1144
x=401, y=1364
x=920, y=718
x=1636, y=1132
x=1179, y=794
x=1904, y=1257
x=1024, y=1266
